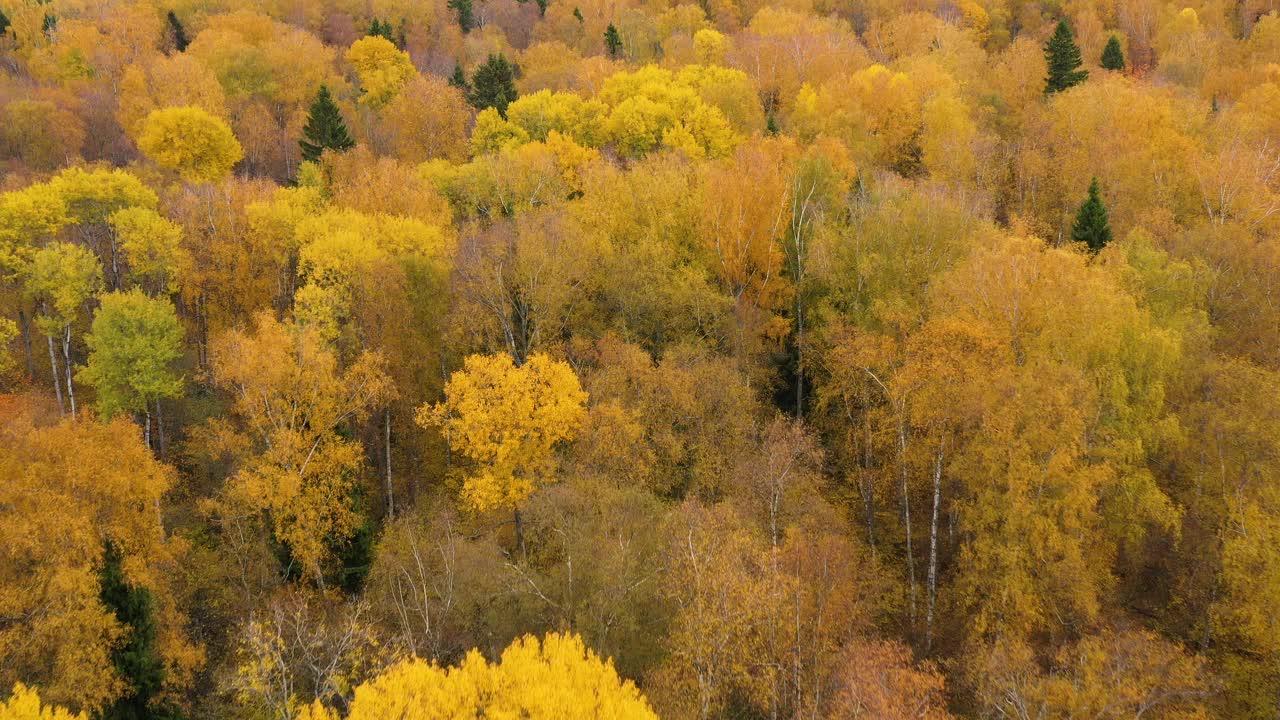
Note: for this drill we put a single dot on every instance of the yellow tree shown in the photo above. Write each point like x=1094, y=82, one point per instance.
x=508, y=420
x=382, y=67
x=198, y=146
x=556, y=678
x=71, y=488
x=24, y=704
x=296, y=406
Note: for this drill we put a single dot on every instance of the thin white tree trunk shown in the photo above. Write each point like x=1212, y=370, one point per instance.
x=57, y=382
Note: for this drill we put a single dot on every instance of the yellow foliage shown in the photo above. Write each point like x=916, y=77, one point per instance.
x=24, y=704
x=508, y=419
x=558, y=678
x=198, y=146
x=382, y=67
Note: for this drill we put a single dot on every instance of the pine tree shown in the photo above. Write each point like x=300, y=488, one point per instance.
x=771, y=124
x=1112, y=55
x=577, y=14
x=134, y=655
x=325, y=129
x=382, y=29
x=542, y=8
x=459, y=79
x=49, y=25
x=466, y=16
x=1091, y=226
x=180, y=41
x=612, y=40
x=4, y=22
x=493, y=85
x=1063, y=58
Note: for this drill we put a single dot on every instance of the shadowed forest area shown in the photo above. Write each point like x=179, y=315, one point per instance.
x=573, y=359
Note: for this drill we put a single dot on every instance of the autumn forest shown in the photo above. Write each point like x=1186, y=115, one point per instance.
x=626, y=359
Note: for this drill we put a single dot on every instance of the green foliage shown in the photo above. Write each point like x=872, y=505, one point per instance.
x=459, y=79
x=180, y=41
x=325, y=128
x=133, y=344
x=1112, y=55
x=1091, y=226
x=465, y=12
x=381, y=28
x=135, y=657
x=1062, y=56
x=612, y=41
x=4, y=23
x=493, y=85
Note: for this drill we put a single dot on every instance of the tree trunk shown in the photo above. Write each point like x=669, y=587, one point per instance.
x=159, y=430
x=933, y=549
x=906, y=519
x=146, y=428
x=520, y=535
x=391, y=497
x=25, y=324
x=66, y=366
x=57, y=382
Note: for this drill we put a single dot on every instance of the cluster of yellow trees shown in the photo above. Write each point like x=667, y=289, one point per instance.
x=578, y=359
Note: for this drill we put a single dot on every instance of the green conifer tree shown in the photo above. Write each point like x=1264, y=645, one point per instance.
x=771, y=124
x=493, y=85
x=382, y=29
x=134, y=656
x=466, y=14
x=577, y=14
x=325, y=129
x=459, y=79
x=612, y=40
x=1062, y=55
x=180, y=41
x=1092, y=227
x=4, y=22
x=1112, y=55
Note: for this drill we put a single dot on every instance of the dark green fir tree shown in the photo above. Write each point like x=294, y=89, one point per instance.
x=612, y=40
x=1112, y=55
x=134, y=655
x=180, y=41
x=577, y=14
x=1062, y=55
x=493, y=85
x=325, y=129
x=459, y=79
x=1092, y=227
x=4, y=22
x=380, y=28
x=542, y=8
x=466, y=14
x=771, y=124
x=49, y=25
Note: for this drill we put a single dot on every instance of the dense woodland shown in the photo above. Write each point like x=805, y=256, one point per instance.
x=415, y=359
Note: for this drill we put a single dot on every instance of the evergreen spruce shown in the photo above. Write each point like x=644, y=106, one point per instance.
x=4, y=22
x=380, y=28
x=49, y=25
x=180, y=41
x=578, y=15
x=325, y=129
x=542, y=8
x=771, y=124
x=612, y=40
x=1091, y=226
x=493, y=85
x=1112, y=55
x=459, y=79
x=466, y=15
x=1063, y=58
x=134, y=656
